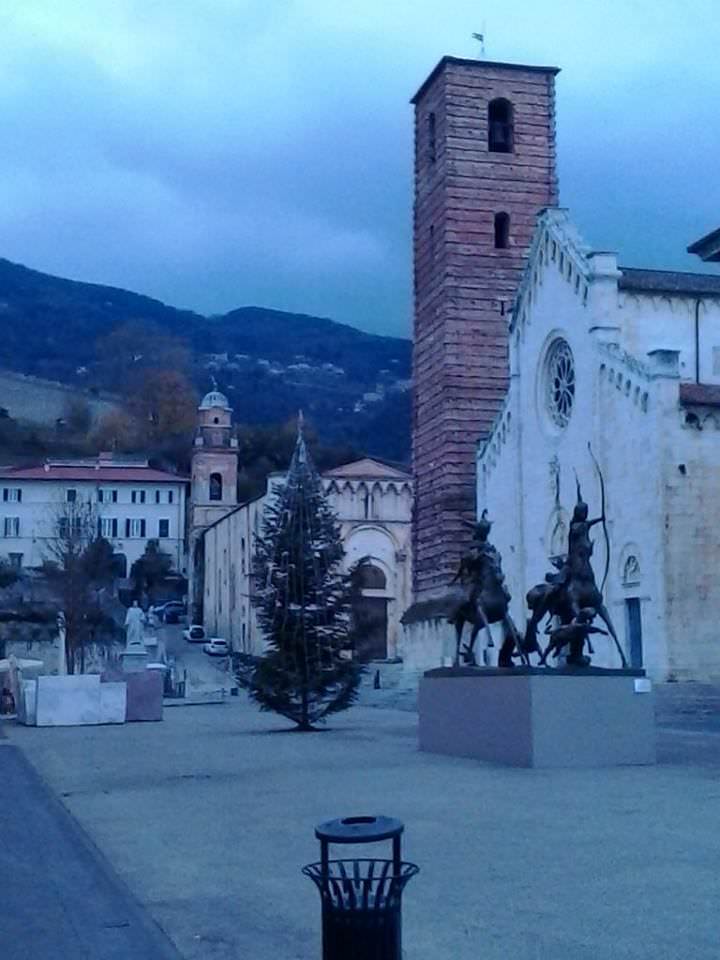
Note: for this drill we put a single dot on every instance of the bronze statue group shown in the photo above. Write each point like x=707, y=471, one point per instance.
x=569, y=597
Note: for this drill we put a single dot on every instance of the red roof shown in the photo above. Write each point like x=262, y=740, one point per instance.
x=93, y=474
x=704, y=394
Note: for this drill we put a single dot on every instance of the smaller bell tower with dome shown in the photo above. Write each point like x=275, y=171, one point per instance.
x=213, y=492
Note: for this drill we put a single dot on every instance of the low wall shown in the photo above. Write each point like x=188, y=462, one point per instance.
x=46, y=650
x=425, y=644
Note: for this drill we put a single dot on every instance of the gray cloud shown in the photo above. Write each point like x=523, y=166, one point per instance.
x=215, y=153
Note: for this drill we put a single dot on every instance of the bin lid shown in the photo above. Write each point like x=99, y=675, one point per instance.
x=359, y=829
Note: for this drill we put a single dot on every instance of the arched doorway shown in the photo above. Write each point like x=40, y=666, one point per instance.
x=369, y=612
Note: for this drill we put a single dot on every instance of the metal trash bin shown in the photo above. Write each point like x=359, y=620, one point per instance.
x=361, y=898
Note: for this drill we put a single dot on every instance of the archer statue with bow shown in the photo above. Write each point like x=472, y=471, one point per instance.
x=573, y=589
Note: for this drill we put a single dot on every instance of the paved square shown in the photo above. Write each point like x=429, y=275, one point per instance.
x=209, y=815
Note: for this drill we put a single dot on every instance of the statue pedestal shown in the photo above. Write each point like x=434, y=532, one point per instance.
x=533, y=717
x=134, y=661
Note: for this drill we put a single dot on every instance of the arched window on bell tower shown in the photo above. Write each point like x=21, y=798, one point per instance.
x=216, y=486
x=500, y=126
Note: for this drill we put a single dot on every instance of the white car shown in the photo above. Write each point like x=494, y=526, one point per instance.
x=215, y=647
x=195, y=633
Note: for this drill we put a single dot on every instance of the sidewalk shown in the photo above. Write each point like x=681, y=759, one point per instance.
x=59, y=896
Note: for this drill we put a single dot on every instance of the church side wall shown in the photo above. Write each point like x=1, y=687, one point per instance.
x=668, y=323
x=691, y=471
x=630, y=418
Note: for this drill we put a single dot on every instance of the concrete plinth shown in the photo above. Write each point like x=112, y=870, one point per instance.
x=531, y=717
x=144, y=695
x=134, y=661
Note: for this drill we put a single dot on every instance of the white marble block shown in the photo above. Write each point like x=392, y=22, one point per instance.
x=68, y=701
x=27, y=712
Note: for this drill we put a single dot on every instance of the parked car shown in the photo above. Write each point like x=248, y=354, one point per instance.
x=215, y=647
x=195, y=633
x=176, y=607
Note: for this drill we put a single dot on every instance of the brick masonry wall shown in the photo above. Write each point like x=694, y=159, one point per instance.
x=464, y=287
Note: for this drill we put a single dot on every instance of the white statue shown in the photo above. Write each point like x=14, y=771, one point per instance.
x=134, y=627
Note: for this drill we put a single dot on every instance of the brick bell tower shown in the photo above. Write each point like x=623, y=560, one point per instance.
x=213, y=490
x=484, y=167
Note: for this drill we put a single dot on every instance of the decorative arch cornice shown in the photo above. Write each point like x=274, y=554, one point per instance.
x=556, y=241
x=375, y=527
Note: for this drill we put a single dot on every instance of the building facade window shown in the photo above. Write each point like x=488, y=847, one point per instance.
x=137, y=496
x=71, y=495
x=12, y=495
x=69, y=527
x=134, y=527
x=16, y=560
x=163, y=529
x=216, y=486
x=108, y=527
x=170, y=496
x=107, y=495
x=11, y=527
x=500, y=126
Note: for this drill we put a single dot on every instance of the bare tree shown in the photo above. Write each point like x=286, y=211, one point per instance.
x=78, y=563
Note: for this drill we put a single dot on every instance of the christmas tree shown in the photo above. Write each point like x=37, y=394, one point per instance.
x=302, y=601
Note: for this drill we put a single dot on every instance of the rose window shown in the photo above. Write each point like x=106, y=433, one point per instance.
x=560, y=382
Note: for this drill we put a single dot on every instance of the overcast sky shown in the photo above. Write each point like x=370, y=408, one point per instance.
x=219, y=153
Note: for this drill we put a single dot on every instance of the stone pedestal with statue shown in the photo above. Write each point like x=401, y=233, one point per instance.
x=559, y=711
x=135, y=656
x=539, y=717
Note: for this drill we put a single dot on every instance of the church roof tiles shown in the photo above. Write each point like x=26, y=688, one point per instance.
x=676, y=282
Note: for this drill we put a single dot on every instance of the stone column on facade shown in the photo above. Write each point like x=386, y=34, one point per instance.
x=604, y=296
x=662, y=411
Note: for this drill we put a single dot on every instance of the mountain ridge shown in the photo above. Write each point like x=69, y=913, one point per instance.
x=355, y=384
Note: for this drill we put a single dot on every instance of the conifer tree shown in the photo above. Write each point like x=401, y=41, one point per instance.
x=302, y=601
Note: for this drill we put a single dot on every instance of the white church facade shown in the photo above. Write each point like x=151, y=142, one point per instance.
x=621, y=366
